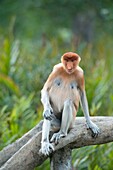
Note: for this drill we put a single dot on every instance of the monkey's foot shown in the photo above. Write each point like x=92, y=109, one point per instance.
x=94, y=128
x=56, y=137
x=46, y=148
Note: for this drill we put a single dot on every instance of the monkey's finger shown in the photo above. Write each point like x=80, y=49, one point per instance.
x=53, y=138
x=57, y=140
x=46, y=151
x=95, y=132
x=95, y=135
x=49, y=149
x=40, y=151
x=52, y=147
x=48, y=117
x=52, y=116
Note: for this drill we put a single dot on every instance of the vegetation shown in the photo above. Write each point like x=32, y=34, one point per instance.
x=33, y=36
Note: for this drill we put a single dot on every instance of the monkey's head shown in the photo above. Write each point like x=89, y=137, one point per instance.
x=70, y=61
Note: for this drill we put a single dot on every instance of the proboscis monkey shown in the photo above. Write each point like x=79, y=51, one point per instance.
x=60, y=96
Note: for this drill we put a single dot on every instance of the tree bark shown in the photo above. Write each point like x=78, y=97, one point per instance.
x=11, y=149
x=61, y=159
x=27, y=156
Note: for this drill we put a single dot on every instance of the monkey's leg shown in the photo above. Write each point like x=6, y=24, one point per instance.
x=67, y=119
x=46, y=146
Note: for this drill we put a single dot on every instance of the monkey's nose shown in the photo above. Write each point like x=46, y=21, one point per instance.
x=69, y=68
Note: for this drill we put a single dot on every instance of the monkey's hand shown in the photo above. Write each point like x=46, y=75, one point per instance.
x=56, y=137
x=94, y=128
x=46, y=148
x=48, y=113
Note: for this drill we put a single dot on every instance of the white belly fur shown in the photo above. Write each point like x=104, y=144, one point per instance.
x=59, y=94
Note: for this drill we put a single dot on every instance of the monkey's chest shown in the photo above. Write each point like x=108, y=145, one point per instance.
x=61, y=84
x=62, y=90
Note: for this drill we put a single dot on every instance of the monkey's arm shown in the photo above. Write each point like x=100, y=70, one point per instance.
x=45, y=99
x=94, y=128
x=46, y=147
x=46, y=104
x=81, y=83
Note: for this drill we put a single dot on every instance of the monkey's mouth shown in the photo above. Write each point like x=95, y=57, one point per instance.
x=70, y=71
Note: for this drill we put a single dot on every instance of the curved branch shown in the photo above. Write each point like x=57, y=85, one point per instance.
x=11, y=149
x=28, y=156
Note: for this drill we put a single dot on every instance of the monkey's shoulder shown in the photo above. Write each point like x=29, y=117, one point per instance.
x=58, y=67
x=57, y=70
x=79, y=70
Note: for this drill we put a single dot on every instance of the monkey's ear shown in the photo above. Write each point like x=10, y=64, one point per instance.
x=79, y=58
x=62, y=58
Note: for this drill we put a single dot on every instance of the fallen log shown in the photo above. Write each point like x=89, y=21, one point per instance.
x=27, y=155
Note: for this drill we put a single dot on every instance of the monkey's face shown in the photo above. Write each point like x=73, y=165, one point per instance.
x=70, y=64
x=70, y=61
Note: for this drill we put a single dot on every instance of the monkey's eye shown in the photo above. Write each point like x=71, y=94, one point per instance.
x=73, y=60
x=66, y=60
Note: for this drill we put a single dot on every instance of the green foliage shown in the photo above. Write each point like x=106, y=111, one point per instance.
x=17, y=121
x=93, y=157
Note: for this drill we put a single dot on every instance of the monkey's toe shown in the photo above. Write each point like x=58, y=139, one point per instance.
x=95, y=132
x=56, y=137
x=46, y=148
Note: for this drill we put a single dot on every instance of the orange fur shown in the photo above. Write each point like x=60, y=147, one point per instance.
x=62, y=85
x=60, y=96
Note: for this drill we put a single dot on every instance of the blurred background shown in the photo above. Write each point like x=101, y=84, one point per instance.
x=33, y=36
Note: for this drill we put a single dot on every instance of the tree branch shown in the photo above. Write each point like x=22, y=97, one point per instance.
x=11, y=149
x=27, y=156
